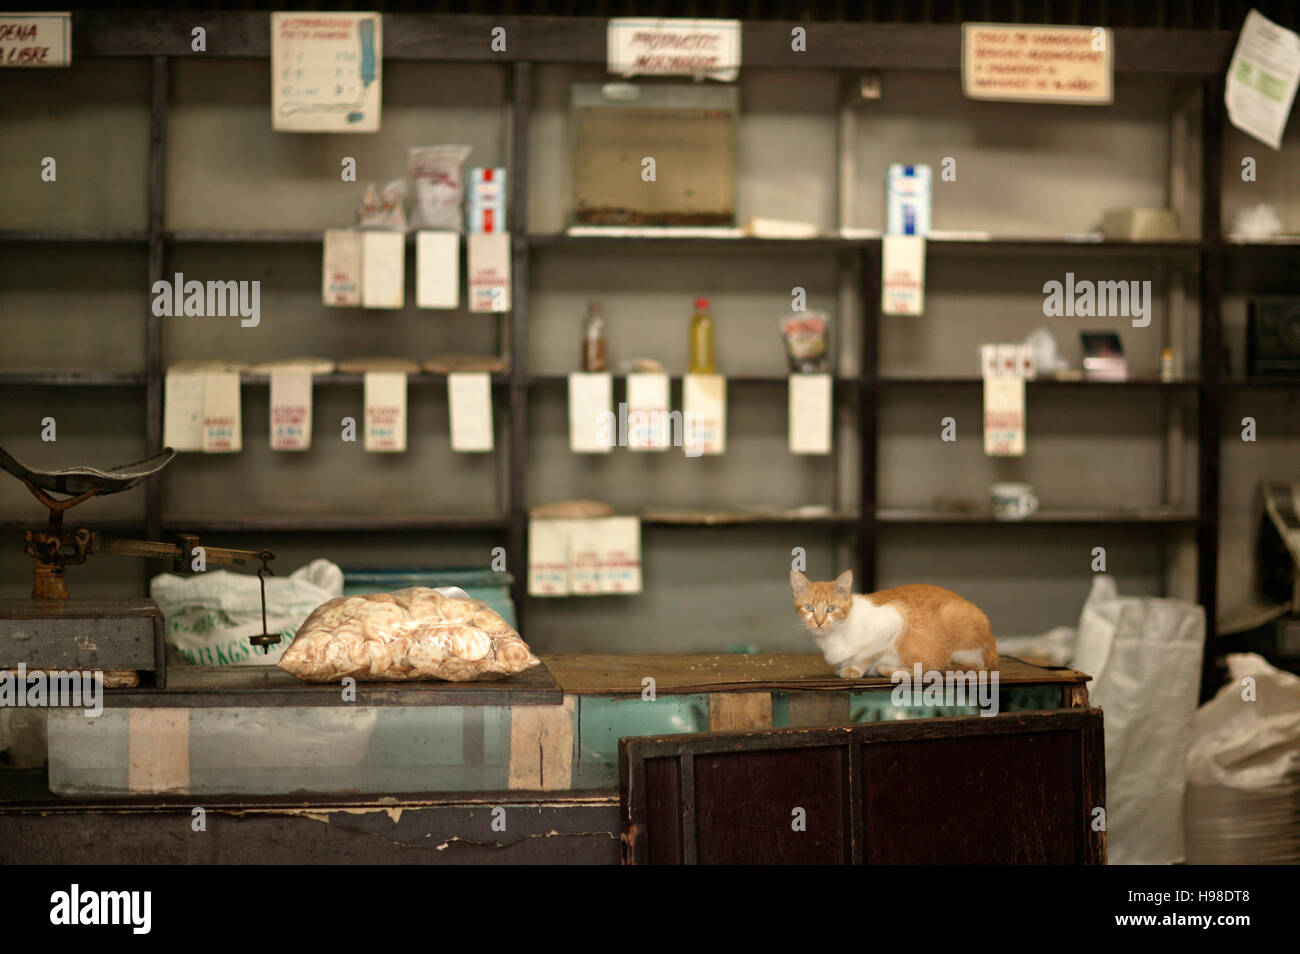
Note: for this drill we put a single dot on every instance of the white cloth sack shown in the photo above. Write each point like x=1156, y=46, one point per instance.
x=209, y=617
x=1144, y=655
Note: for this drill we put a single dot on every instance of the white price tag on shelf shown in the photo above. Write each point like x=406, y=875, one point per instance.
x=469, y=401
x=437, y=270
x=592, y=427
x=183, y=410
x=620, y=562
x=383, y=269
x=291, y=410
x=548, y=557
x=341, y=268
x=586, y=553
x=222, y=425
x=810, y=414
x=648, y=421
x=489, y=271
x=385, y=411
x=704, y=414
x=902, y=274
x=1004, y=416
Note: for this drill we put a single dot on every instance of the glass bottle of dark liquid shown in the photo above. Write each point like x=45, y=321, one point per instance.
x=594, y=348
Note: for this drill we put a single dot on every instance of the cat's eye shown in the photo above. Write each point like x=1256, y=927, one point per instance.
x=807, y=607
x=831, y=608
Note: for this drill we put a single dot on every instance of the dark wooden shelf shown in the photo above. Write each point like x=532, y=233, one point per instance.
x=1049, y=383
x=680, y=243
x=760, y=380
x=1261, y=381
x=337, y=523
x=257, y=236
x=105, y=236
x=984, y=518
x=206, y=687
x=719, y=520
x=499, y=379
x=74, y=378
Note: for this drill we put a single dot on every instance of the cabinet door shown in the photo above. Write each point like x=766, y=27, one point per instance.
x=1018, y=788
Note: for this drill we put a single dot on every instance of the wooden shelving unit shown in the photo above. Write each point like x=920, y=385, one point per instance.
x=1196, y=56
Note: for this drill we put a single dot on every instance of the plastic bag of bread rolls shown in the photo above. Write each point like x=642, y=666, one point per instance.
x=410, y=634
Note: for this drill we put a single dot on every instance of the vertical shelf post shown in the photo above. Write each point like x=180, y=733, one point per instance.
x=868, y=412
x=517, y=535
x=153, y=324
x=1211, y=403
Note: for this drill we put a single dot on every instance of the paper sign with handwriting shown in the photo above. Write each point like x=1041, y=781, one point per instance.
x=673, y=47
x=222, y=425
x=1038, y=64
x=341, y=268
x=902, y=278
x=183, y=410
x=290, y=410
x=326, y=71
x=383, y=269
x=35, y=39
x=704, y=414
x=385, y=411
x=1004, y=416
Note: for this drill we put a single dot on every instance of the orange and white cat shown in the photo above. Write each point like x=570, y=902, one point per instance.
x=891, y=630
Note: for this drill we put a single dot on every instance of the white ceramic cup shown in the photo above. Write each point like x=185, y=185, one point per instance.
x=1013, y=501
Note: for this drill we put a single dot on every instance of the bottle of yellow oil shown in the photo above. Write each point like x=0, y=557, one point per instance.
x=702, y=339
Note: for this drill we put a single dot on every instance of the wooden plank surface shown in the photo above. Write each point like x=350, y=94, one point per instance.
x=541, y=747
x=586, y=674
x=740, y=710
x=208, y=686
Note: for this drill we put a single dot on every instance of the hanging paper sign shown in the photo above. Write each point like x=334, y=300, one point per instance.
x=291, y=410
x=35, y=39
x=1048, y=64
x=673, y=47
x=1262, y=79
x=326, y=71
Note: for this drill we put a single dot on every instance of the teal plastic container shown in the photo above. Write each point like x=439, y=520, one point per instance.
x=491, y=587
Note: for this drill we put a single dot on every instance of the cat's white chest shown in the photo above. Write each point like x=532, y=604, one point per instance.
x=870, y=632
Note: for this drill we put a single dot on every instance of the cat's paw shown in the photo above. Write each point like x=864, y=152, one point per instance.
x=849, y=672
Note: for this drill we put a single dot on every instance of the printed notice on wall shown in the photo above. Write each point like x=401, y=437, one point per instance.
x=675, y=47
x=35, y=39
x=326, y=71
x=1262, y=79
x=1004, y=416
x=1049, y=64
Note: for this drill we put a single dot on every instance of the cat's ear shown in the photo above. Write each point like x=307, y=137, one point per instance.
x=844, y=584
x=798, y=582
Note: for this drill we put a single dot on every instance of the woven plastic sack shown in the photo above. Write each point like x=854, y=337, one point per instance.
x=411, y=634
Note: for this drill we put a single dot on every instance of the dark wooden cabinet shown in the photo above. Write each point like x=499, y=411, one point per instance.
x=1019, y=788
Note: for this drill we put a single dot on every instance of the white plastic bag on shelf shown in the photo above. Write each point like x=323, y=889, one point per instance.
x=1243, y=769
x=209, y=617
x=1144, y=654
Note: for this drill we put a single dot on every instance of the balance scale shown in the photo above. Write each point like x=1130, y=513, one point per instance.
x=122, y=638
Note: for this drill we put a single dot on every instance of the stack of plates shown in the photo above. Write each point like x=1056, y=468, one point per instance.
x=1239, y=826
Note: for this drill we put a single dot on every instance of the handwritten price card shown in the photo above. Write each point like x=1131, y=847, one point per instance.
x=35, y=39
x=326, y=71
x=1054, y=64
